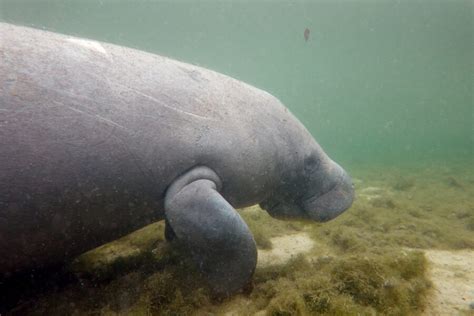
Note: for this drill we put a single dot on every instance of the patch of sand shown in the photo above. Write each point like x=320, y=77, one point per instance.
x=284, y=248
x=373, y=190
x=452, y=274
x=372, y=193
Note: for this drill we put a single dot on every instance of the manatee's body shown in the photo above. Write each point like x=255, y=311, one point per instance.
x=93, y=136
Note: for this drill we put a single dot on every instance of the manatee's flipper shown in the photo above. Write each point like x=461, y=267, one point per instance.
x=215, y=234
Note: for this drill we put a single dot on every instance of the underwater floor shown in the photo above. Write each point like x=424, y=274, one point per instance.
x=406, y=247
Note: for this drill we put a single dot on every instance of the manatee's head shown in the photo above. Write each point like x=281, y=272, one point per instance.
x=317, y=189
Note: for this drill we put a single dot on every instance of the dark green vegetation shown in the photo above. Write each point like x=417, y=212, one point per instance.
x=346, y=284
x=368, y=261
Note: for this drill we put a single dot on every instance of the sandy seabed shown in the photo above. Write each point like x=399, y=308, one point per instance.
x=452, y=274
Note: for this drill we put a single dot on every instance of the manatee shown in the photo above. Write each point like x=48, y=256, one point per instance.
x=98, y=140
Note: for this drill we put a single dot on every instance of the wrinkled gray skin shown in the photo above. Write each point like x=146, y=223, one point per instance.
x=97, y=140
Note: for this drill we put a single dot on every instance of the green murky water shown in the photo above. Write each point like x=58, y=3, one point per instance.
x=376, y=82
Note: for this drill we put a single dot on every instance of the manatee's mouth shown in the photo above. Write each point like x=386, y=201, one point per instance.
x=333, y=202
x=282, y=210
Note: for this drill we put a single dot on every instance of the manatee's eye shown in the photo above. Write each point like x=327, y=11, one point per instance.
x=311, y=163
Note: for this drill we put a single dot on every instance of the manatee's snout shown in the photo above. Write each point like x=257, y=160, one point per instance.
x=333, y=193
x=334, y=201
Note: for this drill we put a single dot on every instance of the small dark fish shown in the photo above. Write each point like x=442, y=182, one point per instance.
x=306, y=34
